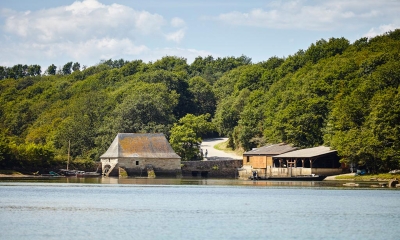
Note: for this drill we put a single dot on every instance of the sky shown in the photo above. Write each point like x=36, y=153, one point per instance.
x=47, y=32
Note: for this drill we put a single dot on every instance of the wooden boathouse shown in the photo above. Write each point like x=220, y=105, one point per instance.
x=317, y=160
x=260, y=159
x=281, y=160
x=141, y=153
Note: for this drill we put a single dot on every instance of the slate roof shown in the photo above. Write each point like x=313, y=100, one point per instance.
x=307, y=153
x=271, y=150
x=142, y=145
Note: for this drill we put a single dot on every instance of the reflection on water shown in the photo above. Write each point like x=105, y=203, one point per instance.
x=129, y=208
x=185, y=181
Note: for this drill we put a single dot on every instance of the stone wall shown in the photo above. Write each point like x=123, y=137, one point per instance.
x=137, y=167
x=211, y=168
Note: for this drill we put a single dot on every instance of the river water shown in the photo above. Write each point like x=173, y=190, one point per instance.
x=194, y=209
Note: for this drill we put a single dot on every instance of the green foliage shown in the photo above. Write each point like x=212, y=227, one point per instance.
x=76, y=67
x=334, y=93
x=35, y=156
x=211, y=69
x=169, y=63
x=228, y=112
x=185, y=142
x=51, y=70
x=203, y=97
x=20, y=71
x=186, y=135
x=248, y=132
x=201, y=124
x=67, y=68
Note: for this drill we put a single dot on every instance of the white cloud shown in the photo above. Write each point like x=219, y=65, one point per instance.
x=107, y=47
x=314, y=15
x=90, y=51
x=177, y=22
x=84, y=31
x=82, y=20
x=176, y=36
x=380, y=30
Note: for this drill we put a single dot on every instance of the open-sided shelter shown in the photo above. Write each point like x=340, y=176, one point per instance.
x=318, y=160
x=139, y=152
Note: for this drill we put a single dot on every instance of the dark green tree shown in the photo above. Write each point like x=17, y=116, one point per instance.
x=203, y=96
x=52, y=69
x=76, y=67
x=67, y=68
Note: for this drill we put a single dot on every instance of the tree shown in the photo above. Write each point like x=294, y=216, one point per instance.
x=250, y=78
x=174, y=82
x=204, y=99
x=185, y=142
x=186, y=135
x=35, y=155
x=34, y=70
x=248, y=133
x=113, y=64
x=145, y=108
x=171, y=63
x=52, y=69
x=3, y=72
x=67, y=68
x=211, y=69
x=132, y=67
x=228, y=112
x=383, y=126
x=6, y=156
x=76, y=67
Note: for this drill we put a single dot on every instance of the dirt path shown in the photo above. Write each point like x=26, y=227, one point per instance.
x=214, y=154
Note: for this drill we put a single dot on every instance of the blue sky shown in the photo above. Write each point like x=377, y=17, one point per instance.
x=86, y=31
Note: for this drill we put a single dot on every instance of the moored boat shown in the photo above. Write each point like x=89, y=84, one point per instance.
x=87, y=174
x=51, y=174
x=312, y=177
x=67, y=173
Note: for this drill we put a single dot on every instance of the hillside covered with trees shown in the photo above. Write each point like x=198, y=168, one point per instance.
x=335, y=93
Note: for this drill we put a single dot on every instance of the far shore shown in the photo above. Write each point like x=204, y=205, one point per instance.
x=341, y=177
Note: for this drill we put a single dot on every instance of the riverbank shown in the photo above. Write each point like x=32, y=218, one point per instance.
x=12, y=173
x=363, y=178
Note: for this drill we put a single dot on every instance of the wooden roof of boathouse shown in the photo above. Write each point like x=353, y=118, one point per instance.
x=271, y=150
x=307, y=153
x=140, y=145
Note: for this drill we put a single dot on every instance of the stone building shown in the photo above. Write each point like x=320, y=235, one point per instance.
x=140, y=153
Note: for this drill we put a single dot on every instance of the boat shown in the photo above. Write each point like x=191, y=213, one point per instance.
x=51, y=174
x=87, y=174
x=351, y=184
x=67, y=173
x=312, y=177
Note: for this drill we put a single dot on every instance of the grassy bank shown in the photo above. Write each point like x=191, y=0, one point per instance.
x=369, y=177
x=223, y=146
x=10, y=173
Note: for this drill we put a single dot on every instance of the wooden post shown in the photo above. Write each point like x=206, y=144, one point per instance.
x=69, y=147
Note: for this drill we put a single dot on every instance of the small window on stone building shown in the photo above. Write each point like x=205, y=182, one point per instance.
x=248, y=158
x=137, y=163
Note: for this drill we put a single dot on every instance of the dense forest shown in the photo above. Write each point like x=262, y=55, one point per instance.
x=335, y=93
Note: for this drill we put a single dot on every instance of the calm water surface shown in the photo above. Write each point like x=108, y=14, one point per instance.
x=194, y=209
